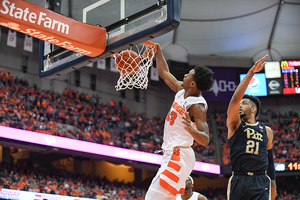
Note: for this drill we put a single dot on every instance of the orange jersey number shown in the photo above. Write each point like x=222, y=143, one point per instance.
x=171, y=117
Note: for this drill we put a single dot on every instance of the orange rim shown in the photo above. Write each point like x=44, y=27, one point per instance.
x=146, y=43
x=149, y=43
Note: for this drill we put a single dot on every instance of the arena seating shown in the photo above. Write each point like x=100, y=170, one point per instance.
x=76, y=115
x=23, y=176
x=79, y=116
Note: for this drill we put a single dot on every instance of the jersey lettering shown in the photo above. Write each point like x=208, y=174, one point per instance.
x=253, y=135
x=178, y=108
x=176, y=151
x=171, y=117
x=251, y=145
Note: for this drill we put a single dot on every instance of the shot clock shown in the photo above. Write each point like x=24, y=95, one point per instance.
x=290, y=70
x=293, y=166
x=287, y=167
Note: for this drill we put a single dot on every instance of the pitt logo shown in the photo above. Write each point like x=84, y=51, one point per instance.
x=253, y=135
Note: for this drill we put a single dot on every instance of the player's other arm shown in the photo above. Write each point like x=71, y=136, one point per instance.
x=197, y=113
x=164, y=72
x=271, y=168
x=233, y=119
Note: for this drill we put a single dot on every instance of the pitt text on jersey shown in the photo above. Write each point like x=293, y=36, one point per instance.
x=253, y=142
x=253, y=135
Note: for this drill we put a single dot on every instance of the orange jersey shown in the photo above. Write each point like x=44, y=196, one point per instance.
x=174, y=133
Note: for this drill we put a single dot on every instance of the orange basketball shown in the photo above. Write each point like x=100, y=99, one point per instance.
x=128, y=62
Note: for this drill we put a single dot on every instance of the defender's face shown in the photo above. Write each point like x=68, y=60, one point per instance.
x=245, y=107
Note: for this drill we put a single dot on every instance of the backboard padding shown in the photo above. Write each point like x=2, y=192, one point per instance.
x=145, y=28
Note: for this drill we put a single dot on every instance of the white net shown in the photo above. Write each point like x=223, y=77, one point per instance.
x=134, y=68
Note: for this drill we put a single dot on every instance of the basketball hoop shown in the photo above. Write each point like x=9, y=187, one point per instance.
x=134, y=66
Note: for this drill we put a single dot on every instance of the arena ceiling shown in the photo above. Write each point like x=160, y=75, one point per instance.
x=234, y=32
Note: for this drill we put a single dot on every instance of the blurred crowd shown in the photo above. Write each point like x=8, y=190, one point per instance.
x=33, y=109
x=26, y=177
x=80, y=116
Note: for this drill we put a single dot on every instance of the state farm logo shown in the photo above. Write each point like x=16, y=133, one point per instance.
x=274, y=85
x=254, y=83
x=47, y=26
x=11, y=25
x=43, y=36
x=27, y=15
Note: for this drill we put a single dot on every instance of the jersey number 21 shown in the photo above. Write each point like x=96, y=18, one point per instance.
x=251, y=145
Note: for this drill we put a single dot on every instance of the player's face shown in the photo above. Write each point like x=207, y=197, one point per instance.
x=188, y=78
x=188, y=185
x=245, y=108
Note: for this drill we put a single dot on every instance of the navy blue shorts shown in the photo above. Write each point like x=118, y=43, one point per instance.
x=244, y=187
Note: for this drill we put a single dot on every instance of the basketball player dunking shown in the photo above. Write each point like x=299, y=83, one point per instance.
x=185, y=122
x=250, y=144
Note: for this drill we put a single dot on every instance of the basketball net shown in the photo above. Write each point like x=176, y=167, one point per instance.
x=138, y=79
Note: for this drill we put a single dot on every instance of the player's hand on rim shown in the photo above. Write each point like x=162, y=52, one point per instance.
x=149, y=51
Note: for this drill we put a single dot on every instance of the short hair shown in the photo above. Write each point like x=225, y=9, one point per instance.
x=203, y=77
x=256, y=101
x=190, y=179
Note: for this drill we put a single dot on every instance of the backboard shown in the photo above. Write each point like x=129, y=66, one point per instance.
x=127, y=23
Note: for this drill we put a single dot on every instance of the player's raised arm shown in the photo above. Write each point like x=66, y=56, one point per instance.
x=233, y=118
x=164, y=72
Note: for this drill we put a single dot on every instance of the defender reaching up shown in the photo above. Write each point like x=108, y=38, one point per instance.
x=250, y=144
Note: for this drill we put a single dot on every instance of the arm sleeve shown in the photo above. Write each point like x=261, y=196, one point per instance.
x=271, y=168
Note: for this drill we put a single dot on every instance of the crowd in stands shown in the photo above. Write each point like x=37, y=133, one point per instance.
x=33, y=109
x=30, y=108
x=286, y=136
x=26, y=177
x=288, y=188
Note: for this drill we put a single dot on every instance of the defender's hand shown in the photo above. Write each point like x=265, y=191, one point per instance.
x=259, y=64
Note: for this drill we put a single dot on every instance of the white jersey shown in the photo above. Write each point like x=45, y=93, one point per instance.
x=174, y=133
x=193, y=197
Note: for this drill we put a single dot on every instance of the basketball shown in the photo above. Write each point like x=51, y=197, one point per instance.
x=128, y=62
